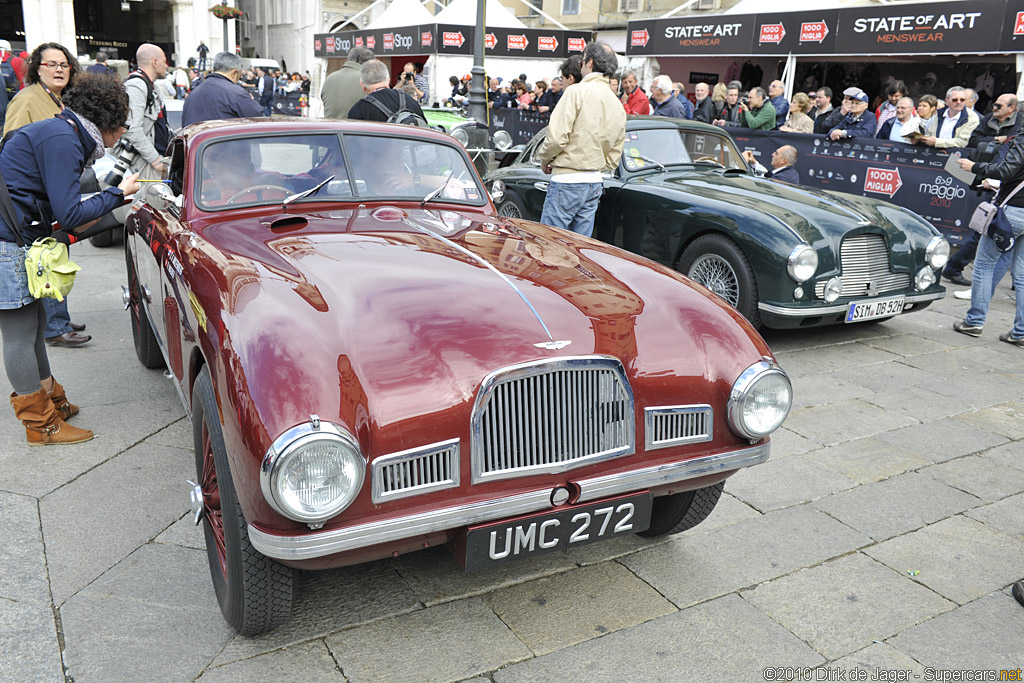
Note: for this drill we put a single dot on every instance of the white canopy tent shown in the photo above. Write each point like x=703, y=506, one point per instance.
x=402, y=13
x=463, y=13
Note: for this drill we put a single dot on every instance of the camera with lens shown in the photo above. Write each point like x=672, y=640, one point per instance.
x=125, y=155
x=407, y=76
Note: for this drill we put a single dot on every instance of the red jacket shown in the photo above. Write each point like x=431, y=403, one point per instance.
x=637, y=103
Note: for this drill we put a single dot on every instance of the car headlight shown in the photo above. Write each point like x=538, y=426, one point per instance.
x=937, y=252
x=497, y=190
x=502, y=140
x=802, y=263
x=833, y=289
x=462, y=135
x=312, y=472
x=760, y=400
x=924, y=279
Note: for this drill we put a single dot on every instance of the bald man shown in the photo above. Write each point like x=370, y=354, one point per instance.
x=783, y=165
x=148, y=130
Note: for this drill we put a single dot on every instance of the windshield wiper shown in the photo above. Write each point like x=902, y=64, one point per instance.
x=647, y=159
x=291, y=198
x=434, y=193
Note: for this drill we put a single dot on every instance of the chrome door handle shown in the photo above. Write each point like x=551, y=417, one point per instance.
x=542, y=186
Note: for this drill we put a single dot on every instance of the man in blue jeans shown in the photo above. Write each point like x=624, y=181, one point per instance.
x=990, y=264
x=585, y=135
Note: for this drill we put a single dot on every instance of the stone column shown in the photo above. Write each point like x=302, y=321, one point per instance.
x=192, y=23
x=50, y=21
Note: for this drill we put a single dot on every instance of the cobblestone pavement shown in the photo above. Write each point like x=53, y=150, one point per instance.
x=884, y=532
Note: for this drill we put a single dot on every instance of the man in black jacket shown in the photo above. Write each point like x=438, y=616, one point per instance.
x=1001, y=124
x=374, y=79
x=705, y=109
x=220, y=96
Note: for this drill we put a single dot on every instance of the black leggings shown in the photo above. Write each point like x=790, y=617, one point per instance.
x=24, y=348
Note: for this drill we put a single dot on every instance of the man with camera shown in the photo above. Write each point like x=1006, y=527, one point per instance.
x=756, y=112
x=148, y=134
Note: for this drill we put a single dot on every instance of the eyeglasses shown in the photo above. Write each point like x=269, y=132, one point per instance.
x=957, y=99
x=997, y=106
x=56, y=65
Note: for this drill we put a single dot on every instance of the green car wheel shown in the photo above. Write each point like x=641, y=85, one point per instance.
x=717, y=263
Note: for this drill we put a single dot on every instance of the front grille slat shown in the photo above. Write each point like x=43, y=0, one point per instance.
x=667, y=426
x=558, y=415
x=416, y=471
x=864, y=259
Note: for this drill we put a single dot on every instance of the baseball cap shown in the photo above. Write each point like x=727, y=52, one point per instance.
x=856, y=93
x=467, y=77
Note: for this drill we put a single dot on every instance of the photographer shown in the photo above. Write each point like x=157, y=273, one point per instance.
x=756, y=111
x=149, y=134
x=41, y=164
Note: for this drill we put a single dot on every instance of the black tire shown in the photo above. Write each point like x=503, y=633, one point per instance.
x=716, y=262
x=681, y=511
x=146, y=346
x=253, y=591
x=512, y=207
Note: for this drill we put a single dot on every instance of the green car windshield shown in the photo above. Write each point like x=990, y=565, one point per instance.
x=674, y=146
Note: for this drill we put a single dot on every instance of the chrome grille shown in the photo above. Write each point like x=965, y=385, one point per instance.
x=864, y=260
x=416, y=471
x=551, y=416
x=666, y=426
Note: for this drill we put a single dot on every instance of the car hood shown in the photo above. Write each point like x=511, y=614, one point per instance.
x=382, y=321
x=812, y=213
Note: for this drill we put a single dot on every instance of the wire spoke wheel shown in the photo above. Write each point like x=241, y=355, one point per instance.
x=715, y=273
x=212, y=513
x=510, y=210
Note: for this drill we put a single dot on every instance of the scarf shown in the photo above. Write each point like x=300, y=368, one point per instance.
x=95, y=134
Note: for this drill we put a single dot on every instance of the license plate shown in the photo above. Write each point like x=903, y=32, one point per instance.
x=879, y=308
x=500, y=542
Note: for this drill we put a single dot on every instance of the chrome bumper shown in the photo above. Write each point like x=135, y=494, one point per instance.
x=788, y=312
x=319, y=544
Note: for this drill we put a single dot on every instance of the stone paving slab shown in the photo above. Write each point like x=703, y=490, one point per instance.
x=919, y=403
x=867, y=460
x=300, y=663
x=1010, y=454
x=1007, y=515
x=942, y=440
x=897, y=505
x=691, y=569
x=177, y=434
x=998, y=389
x=843, y=421
x=839, y=357
x=722, y=640
x=845, y=604
x=185, y=533
x=959, y=558
x=1006, y=419
x=879, y=656
x=411, y=647
x=28, y=643
x=883, y=378
x=785, y=442
x=97, y=520
x=559, y=611
x=773, y=485
x=23, y=578
x=984, y=634
x=979, y=475
x=905, y=345
x=819, y=390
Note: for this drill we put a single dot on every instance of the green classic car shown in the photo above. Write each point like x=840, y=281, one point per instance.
x=783, y=255
x=454, y=122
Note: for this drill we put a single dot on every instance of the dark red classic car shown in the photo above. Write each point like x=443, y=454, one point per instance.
x=374, y=362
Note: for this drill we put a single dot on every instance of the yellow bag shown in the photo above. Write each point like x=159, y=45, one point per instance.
x=51, y=273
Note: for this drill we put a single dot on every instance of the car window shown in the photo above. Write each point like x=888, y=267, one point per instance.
x=669, y=146
x=266, y=170
x=408, y=167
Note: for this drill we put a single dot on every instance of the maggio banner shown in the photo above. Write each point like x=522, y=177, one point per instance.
x=906, y=175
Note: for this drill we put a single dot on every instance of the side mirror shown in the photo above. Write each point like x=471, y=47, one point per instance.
x=161, y=197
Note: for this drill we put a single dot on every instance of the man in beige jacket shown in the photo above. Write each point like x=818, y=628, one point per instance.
x=585, y=135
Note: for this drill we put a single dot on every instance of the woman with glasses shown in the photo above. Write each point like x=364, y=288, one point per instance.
x=51, y=69
x=41, y=164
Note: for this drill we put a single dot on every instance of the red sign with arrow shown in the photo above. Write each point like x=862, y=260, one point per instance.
x=490, y=41
x=639, y=38
x=547, y=43
x=425, y=38
x=813, y=31
x=772, y=33
x=517, y=42
x=453, y=39
x=575, y=44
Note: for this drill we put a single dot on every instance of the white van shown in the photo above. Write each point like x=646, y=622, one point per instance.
x=252, y=63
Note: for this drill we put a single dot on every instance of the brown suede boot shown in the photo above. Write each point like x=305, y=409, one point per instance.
x=43, y=424
x=60, y=401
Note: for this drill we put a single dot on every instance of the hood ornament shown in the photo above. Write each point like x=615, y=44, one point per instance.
x=552, y=345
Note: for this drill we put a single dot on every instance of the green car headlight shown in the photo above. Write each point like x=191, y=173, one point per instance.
x=937, y=252
x=802, y=263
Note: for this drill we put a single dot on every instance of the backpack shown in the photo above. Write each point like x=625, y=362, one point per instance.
x=161, y=131
x=403, y=115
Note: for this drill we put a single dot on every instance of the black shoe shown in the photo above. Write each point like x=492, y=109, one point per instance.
x=1010, y=339
x=1018, y=592
x=956, y=278
x=68, y=339
x=78, y=327
x=962, y=327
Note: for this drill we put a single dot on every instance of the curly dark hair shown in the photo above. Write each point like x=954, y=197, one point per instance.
x=32, y=74
x=101, y=99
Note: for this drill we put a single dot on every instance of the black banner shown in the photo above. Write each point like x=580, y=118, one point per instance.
x=906, y=175
x=967, y=27
x=451, y=39
x=521, y=124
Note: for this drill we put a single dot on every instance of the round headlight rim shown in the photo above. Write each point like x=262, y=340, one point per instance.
x=834, y=284
x=791, y=262
x=930, y=251
x=504, y=137
x=497, y=190
x=741, y=390
x=925, y=273
x=286, y=445
x=460, y=132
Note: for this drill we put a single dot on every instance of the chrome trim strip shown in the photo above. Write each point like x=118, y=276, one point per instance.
x=651, y=413
x=670, y=473
x=839, y=308
x=324, y=543
x=476, y=257
x=379, y=495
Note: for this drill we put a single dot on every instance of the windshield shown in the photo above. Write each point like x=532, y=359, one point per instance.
x=267, y=170
x=668, y=146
